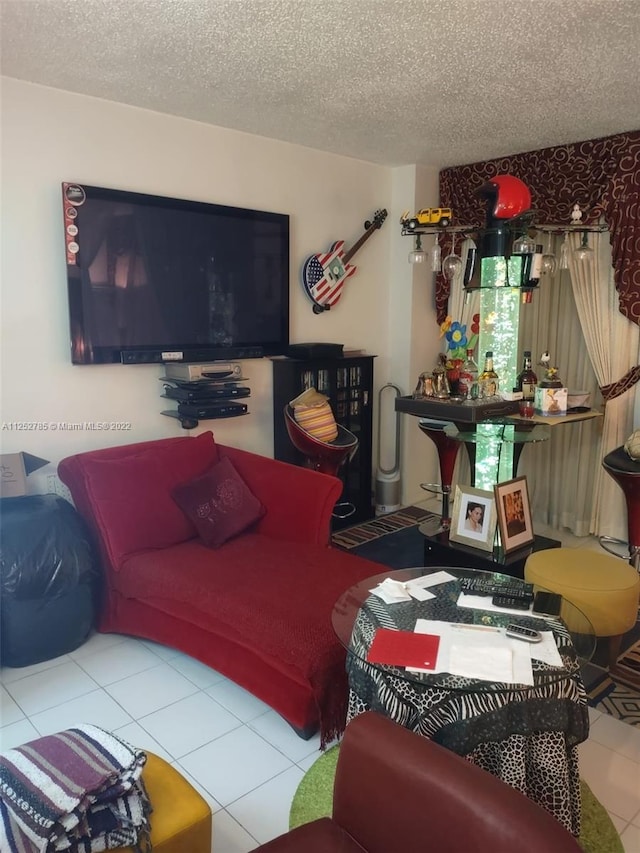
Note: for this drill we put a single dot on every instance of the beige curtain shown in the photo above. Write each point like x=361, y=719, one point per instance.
x=561, y=472
x=613, y=345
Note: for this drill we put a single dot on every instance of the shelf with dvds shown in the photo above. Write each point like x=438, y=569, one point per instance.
x=205, y=398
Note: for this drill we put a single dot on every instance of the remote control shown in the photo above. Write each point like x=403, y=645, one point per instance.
x=483, y=586
x=511, y=601
x=519, y=632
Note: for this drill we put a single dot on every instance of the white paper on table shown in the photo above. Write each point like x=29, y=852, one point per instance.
x=431, y=580
x=442, y=630
x=420, y=594
x=474, y=637
x=489, y=662
x=547, y=650
x=483, y=602
x=392, y=591
x=522, y=671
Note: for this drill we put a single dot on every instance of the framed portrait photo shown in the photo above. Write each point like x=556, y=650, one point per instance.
x=514, y=514
x=473, y=518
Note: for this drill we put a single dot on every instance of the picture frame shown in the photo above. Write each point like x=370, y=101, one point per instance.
x=473, y=518
x=514, y=514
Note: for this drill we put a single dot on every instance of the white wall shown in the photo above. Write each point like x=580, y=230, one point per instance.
x=50, y=136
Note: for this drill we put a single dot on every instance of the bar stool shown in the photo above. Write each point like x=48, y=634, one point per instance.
x=324, y=456
x=626, y=472
x=447, y=452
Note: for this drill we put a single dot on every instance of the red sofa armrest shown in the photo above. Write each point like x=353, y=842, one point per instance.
x=299, y=502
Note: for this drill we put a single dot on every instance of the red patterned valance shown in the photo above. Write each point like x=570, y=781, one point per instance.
x=601, y=175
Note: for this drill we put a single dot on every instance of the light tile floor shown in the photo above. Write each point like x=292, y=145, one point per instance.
x=246, y=761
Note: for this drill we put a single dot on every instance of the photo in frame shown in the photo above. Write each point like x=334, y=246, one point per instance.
x=473, y=518
x=514, y=514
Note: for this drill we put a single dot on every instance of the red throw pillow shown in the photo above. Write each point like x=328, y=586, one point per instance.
x=131, y=495
x=219, y=503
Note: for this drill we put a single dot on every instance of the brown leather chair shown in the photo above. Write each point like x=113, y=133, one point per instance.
x=395, y=790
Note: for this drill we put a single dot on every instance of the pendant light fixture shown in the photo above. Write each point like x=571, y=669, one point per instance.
x=418, y=254
x=584, y=252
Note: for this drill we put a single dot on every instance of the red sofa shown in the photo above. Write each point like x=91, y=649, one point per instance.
x=258, y=608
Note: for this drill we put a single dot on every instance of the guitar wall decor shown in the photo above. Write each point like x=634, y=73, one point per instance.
x=324, y=275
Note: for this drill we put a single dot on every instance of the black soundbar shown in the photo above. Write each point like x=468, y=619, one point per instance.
x=157, y=356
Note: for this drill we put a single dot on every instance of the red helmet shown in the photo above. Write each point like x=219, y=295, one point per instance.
x=512, y=196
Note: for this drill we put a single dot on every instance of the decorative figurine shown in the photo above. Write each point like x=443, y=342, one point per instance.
x=576, y=214
x=441, y=387
x=441, y=216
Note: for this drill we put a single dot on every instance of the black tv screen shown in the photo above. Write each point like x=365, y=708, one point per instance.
x=153, y=279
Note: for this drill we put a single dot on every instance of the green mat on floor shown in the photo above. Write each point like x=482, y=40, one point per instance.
x=314, y=797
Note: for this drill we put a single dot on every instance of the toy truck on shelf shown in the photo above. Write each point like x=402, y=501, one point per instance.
x=441, y=216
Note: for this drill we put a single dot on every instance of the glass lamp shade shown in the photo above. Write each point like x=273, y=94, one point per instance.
x=524, y=245
x=584, y=252
x=417, y=256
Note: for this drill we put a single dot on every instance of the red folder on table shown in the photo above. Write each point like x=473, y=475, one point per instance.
x=404, y=648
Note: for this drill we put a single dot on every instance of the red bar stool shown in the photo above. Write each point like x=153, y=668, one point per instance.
x=447, y=452
x=626, y=472
x=323, y=456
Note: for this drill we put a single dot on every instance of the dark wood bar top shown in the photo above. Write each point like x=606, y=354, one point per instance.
x=465, y=411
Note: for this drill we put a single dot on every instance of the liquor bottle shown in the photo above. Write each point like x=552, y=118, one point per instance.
x=532, y=267
x=531, y=253
x=488, y=379
x=468, y=383
x=527, y=380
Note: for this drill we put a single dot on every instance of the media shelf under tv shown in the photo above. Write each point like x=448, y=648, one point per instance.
x=205, y=399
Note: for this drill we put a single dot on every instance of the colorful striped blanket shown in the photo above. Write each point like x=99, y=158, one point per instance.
x=79, y=790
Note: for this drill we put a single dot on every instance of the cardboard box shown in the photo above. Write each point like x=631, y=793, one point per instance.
x=14, y=470
x=550, y=402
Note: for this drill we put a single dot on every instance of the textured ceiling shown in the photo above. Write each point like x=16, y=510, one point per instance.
x=428, y=82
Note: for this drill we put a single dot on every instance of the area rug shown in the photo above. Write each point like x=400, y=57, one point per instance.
x=627, y=669
x=617, y=700
x=359, y=534
x=314, y=799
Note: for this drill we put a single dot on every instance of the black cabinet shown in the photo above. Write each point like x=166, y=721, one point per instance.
x=439, y=551
x=348, y=383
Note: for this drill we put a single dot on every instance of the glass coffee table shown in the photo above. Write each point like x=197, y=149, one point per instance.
x=525, y=734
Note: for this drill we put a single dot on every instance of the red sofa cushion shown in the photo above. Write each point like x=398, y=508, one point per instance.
x=131, y=495
x=219, y=503
x=270, y=596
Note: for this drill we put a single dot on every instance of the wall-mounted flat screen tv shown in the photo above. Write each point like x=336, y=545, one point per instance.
x=154, y=279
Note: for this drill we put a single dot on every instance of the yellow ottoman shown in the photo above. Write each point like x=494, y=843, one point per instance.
x=605, y=588
x=181, y=818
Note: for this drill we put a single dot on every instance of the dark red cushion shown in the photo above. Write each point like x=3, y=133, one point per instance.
x=131, y=496
x=219, y=504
